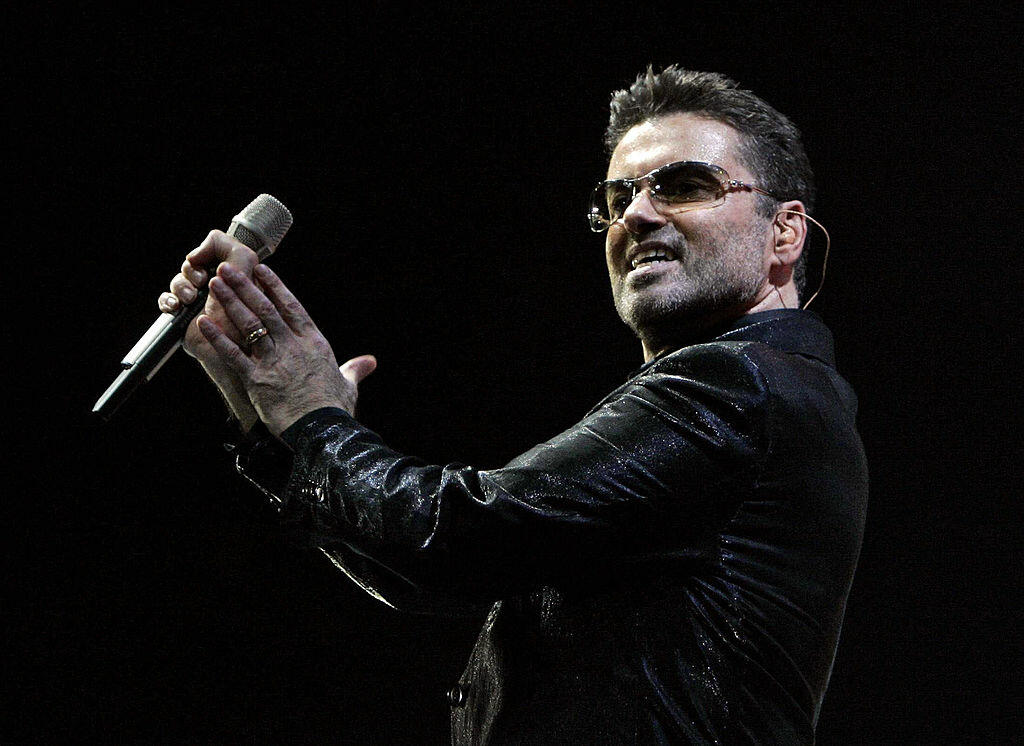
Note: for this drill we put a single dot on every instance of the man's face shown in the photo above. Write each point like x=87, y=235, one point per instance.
x=720, y=255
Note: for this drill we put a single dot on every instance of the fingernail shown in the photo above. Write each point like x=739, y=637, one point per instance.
x=172, y=302
x=262, y=270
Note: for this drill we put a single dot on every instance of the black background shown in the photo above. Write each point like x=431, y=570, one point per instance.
x=437, y=162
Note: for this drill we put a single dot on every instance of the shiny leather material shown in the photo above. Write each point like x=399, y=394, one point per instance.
x=672, y=569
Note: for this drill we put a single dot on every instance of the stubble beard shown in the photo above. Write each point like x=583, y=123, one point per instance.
x=720, y=278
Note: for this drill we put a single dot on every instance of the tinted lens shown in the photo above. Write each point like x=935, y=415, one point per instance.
x=688, y=183
x=617, y=196
x=608, y=201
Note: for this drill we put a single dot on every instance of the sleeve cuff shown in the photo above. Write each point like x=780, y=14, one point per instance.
x=294, y=431
x=267, y=462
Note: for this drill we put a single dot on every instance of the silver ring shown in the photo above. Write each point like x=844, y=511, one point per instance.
x=256, y=335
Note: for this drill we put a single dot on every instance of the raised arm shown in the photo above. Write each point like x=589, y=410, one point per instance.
x=657, y=468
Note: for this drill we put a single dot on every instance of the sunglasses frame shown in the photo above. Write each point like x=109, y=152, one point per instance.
x=599, y=224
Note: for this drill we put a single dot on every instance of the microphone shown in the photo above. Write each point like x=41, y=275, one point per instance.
x=260, y=226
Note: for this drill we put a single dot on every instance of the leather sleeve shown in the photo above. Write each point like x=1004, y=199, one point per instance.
x=657, y=467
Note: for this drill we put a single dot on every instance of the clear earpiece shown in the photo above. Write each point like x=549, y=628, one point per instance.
x=824, y=262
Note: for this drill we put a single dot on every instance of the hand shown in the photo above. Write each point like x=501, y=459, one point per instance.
x=216, y=248
x=291, y=370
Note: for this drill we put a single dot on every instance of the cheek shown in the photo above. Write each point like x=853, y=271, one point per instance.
x=614, y=245
x=762, y=242
x=724, y=232
x=694, y=225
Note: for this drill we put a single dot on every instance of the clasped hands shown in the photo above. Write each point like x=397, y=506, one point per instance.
x=289, y=368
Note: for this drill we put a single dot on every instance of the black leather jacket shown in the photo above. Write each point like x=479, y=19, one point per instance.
x=672, y=569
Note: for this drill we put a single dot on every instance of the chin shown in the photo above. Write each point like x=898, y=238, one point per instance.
x=663, y=317
x=638, y=309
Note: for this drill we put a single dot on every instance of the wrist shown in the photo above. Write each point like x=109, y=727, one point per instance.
x=246, y=420
x=284, y=419
x=234, y=395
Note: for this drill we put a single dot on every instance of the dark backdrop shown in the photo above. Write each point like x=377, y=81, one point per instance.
x=437, y=163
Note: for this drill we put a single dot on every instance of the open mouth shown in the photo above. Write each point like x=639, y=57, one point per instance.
x=651, y=256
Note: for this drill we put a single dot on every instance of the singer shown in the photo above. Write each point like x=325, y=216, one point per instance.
x=675, y=567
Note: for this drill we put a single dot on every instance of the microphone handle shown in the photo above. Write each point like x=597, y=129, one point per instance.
x=260, y=226
x=147, y=357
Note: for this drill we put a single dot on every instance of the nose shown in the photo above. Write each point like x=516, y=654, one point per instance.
x=642, y=216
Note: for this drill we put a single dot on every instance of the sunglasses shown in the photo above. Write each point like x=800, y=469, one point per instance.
x=674, y=188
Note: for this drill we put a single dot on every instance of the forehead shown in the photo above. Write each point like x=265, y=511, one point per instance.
x=676, y=137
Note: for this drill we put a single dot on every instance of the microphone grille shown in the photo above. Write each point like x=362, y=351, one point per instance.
x=267, y=217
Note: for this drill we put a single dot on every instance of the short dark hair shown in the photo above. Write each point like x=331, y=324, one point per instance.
x=770, y=143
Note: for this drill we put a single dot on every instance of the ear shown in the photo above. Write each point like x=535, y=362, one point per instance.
x=789, y=231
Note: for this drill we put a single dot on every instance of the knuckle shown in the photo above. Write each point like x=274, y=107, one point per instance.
x=233, y=356
x=321, y=347
x=183, y=289
x=204, y=246
x=194, y=274
x=243, y=255
x=219, y=244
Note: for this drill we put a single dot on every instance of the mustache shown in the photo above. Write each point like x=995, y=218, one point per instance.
x=667, y=237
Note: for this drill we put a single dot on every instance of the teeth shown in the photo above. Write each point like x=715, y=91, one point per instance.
x=657, y=254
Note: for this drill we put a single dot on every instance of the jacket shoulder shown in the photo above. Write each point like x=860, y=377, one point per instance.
x=719, y=369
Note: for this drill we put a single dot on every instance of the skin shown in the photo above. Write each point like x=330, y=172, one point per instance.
x=282, y=376
x=729, y=261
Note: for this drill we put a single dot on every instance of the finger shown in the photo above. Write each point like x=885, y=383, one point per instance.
x=229, y=352
x=238, y=312
x=196, y=275
x=168, y=302
x=217, y=247
x=287, y=304
x=358, y=368
x=183, y=288
x=255, y=299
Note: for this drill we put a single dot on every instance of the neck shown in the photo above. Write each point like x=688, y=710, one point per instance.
x=659, y=340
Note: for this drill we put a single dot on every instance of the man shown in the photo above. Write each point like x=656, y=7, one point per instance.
x=674, y=568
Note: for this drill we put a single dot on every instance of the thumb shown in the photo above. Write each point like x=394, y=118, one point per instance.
x=358, y=368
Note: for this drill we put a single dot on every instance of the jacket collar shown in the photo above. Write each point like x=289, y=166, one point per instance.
x=787, y=330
